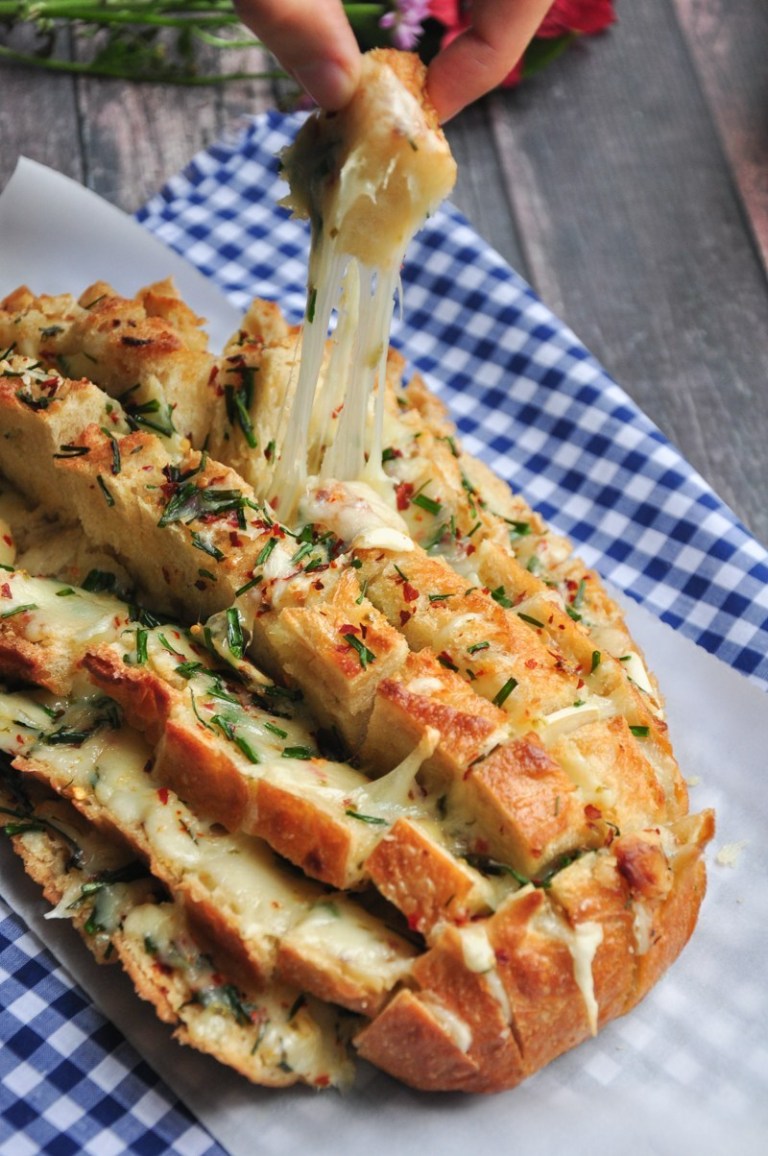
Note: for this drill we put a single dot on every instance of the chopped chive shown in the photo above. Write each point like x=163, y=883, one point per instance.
x=116, y=462
x=428, y=504
x=530, y=620
x=640, y=732
x=364, y=654
x=190, y=502
x=304, y=549
x=246, y=748
x=499, y=595
x=72, y=451
x=477, y=646
x=19, y=610
x=275, y=730
x=266, y=550
x=167, y=646
x=372, y=819
x=596, y=656
x=207, y=547
x=105, y=491
x=297, y=753
x=235, y=640
x=248, y=586
x=502, y=695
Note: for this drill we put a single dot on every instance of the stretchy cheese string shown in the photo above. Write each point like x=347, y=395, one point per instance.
x=367, y=178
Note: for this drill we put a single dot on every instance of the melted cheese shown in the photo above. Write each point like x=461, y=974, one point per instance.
x=279, y=1032
x=582, y=942
x=362, y=947
x=367, y=178
x=456, y=1028
x=46, y=608
x=356, y=514
x=570, y=718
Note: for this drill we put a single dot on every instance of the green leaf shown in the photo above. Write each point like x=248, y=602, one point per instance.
x=542, y=52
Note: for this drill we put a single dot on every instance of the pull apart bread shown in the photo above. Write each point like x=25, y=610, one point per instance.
x=364, y=765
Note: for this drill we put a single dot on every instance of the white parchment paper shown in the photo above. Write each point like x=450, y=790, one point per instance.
x=685, y=1072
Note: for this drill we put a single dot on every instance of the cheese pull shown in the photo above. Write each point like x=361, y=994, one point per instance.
x=367, y=178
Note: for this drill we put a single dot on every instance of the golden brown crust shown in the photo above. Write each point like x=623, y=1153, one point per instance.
x=541, y=852
x=409, y=1041
x=423, y=880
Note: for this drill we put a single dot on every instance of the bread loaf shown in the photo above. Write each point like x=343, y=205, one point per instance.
x=374, y=736
x=497, y=833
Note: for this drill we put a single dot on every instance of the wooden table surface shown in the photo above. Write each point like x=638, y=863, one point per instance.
x=628, y=183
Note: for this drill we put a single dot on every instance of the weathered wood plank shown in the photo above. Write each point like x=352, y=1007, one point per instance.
x=38, y=119
x=137, y=136
x=480, y=192
x=634, y=235
x=728, y=40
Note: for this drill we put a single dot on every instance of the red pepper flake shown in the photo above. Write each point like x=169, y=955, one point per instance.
x=410, y=593
x=348, y=628
x=405, y=616
x=234, y=538
x=322, y=1081
x=5, y=590
x=213, y=374
x=162, y=794
x=403, y=495
x=8, y=539
x=592, y=812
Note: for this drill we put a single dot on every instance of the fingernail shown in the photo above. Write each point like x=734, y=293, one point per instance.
x=326, y=82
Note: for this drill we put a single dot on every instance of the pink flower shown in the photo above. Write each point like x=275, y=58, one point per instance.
x=585, y=17
x=406, y=20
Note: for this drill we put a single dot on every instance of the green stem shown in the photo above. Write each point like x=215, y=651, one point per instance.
x=116, y=73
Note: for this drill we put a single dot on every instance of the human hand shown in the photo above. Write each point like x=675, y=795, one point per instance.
x=483, y=54
x=314, y=41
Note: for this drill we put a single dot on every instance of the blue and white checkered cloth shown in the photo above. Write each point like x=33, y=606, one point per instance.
x=529, y=399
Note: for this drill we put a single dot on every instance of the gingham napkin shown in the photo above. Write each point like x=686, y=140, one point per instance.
x=530, y=400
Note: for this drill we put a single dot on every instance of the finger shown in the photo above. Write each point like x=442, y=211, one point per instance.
x=480, y=58
x=313, y=40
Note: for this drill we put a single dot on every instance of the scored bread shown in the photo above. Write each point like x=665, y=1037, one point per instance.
x=274, y=1035
x=538, y=850
x=374, y=733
